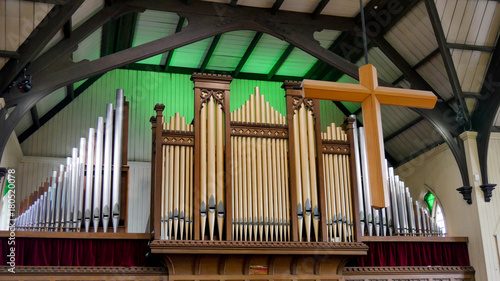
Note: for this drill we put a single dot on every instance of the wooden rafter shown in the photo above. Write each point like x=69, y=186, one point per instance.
x=248, y=52
x=276, y=6
x=39, y=38
x=210, y=52
x=445, y=53
x=280, y=61
x=319, y=8
x=170, y=54
x=486, y=110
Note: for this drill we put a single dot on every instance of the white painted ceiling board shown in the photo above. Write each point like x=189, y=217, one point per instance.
x=342, y=8
x=86, y=10
x=257, y=3
x=395, y=117
x=326, y=37
x=435, y=74
x=488, y=32
x=50, y=101
x=24, y=124
x=412, y=36
x=480, y=72
x=89, y=48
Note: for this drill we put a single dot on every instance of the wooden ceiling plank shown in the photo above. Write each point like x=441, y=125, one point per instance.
x=248, y=52
x=210, y=52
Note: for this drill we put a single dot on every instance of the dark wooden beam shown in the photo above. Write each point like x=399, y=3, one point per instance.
x=311, y=73
x=70, y=91
x=230, y=13
x=486, y=110
x=126, y=31
x=65, y=46
x=170, y=54
x=280, y=61
x=342, y=108
x=319, y=8
x=9, y=54
x=68, y=28
x=445, y=53
x=39, y=38
x=210, y=52
x=70, y=96
x=470, y=47
x=189, y=70
x=234, y=3
x=108, y=38
x=34, y=117
x=247, y=54
x=276, y=6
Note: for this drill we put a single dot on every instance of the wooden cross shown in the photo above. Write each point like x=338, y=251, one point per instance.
x=371, y=96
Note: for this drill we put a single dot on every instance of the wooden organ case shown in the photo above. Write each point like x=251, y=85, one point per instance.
x=246, y=195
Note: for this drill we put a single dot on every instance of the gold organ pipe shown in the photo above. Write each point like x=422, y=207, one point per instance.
x=244, y=167
x=265, y=185
x=176, y=178
x=171, y=184
x=203, y=171
x=211, y=167
x=254, y=186
x=312, y=166
x=298, y=174
x=182, y=176
x=220, y=170
x=287, y=192
x=306, y=182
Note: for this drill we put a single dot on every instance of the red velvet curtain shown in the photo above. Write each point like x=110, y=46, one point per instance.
x=414, y=254
x=75, y=252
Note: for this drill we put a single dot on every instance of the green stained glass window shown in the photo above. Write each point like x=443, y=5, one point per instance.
x=429, y=198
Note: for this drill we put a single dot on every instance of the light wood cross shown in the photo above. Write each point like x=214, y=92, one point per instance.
x=371, y=96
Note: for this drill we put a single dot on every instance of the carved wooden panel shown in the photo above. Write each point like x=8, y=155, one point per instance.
x=407, y=273
x=178, y=138
x=259, y=130
x=336, y=147
x=54, y=273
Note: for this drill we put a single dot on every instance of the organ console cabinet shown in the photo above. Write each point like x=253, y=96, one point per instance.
x=247, y=193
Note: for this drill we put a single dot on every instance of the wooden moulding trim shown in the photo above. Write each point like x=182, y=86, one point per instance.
x=166, y=133
x=257, y=247
x=78, y=235
x=336, y=148
x=391, y=239
x=84, y=270
x=382, y=270
x=178, y=140
x=259, y=130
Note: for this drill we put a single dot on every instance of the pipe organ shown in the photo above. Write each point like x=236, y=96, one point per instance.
x=403, y=217
x=256, y=174
x=93, y=185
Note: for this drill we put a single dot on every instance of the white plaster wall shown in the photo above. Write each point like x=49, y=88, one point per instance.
x=12, y=154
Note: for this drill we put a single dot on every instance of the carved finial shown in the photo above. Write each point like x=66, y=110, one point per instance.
x=159, y=107
x=292, y=85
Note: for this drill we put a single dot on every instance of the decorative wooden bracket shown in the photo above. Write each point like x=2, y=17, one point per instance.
x=466, y=192
x=488, y=189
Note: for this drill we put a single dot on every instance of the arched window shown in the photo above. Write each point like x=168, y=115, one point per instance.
x=435, y=210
